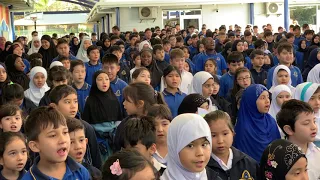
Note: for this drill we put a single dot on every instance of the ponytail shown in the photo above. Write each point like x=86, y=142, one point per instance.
x=159, y=98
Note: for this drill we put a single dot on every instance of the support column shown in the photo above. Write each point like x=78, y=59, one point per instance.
x=12, y=25
x=103, y=25
x=118, y=17
x=108, y=23
x=251, y=16
x=286, y=14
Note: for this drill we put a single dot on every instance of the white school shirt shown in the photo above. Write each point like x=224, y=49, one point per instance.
x=157, y=165
x=224, y=166
x=318, y=124
x=159, y=158
x=185, y=86
x=313, y=156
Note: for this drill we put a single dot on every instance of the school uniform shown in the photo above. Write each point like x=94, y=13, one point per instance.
x=239, y=166
x=226, y=83
x=21, y=174
x=193, y=51
x=71, y=57
x=259, y=77
x=90, y=70
x=167, y=57
x=45, y=100
x=124, y=72
x=248, y=63
x=162, y=64
x=74, y=171
x=296, y=77
x=270, y=46
x=297, y=40
x=159, y=158
x=27, y=64
x=201, y=60
x=93, y=171
x=82, y=94
x=313, y=156
x=219, y=46
x=173, y=100
x=159, y=167
x=117, y=86
x=27, y=106
x=186, y=80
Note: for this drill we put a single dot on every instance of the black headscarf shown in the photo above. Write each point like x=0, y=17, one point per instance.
x=278, y=158
x=48, y=54
x=16, y=76
x=312, y=41
x=2, y=84
x=155, y=71
x=74, y=48
x=104, y=47
x=191, y=103
x=101, y=106
x=5, y=53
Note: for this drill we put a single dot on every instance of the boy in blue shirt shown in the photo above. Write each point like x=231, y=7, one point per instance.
x=297, y=35
x=78, y=71
x=210, y=52
x=47, y=133
x=110, y=64
x=193, y=47
x=235, y=60
x=93, y=65
x=259, y=75
x=124, y=71
x=285, y=56
x=63, y=49
x=159, y=55
x=166, y=47
x=308, y=35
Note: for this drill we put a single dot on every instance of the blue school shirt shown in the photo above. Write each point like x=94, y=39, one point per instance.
x=167, y=57
x=251, y=46
x=297, y=40
x=173, y=101
x=226, y=83
x=117, y=86
x=90, y=70
x=27, y=64
x=201, y=60
x=71, y=57
x=82, y=93
x=193, y=51
x=192, y=66
x=299, y=60
x=248, y=63
x=74, y=171
x=296, y=77
x=308, y=43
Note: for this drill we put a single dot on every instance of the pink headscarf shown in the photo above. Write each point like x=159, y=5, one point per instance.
x=2, y=42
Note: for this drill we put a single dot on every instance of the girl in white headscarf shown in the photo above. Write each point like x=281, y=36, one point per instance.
x=37, y=85
x=314, y=74
x=188, y=132
x=281, y=75
x=35, y=45
x=203, y=83
x=82, y=52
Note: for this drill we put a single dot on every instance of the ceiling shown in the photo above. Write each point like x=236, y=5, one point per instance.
x=18, y=5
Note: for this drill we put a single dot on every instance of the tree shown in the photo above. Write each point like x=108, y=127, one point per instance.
x=303, y=14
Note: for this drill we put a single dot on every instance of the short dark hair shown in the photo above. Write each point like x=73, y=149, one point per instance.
x=304, y=26
x=296, y=27
x=63, y=58
x=34, y=32
x=289, y=112
x=93, y=34
x=132, y=36
x=161, y=111
x=140, y=130
x=284, y=46
x=40, y=118
x=58, y=73
x=116, y=28
x=11, y=92
x=59, y=92
x=267, y=33
x=114, y=48
x=234, y=57
x=165, y=41
x=91, y=48
x=74, y=124
x=308, y=31
x=75, y=63
x=35, y=60
x=35, y=55
x=291, y=26
x=62, y=41
x=113, y=37
x=110, y=59
x=157, y=47
x=8, y=137
x=9, y=110
x=259, y=43
x=247, y=33
x=289, y=35
x=256, y=52
x=148, y=29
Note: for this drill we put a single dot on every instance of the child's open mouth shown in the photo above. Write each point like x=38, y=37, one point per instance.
x=13, y=127
x=62, y=151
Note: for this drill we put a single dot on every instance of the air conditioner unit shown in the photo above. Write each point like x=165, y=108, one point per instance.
x=274, y=8
x=147, y=12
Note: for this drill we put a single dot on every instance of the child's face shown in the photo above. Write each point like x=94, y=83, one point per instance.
x=234, y=66
x=144, y=76
x=216, y=88
x=258, y=61
x=78, y=145
x=285, y=57
x=103, y=82
x=298, y=170
x=167, y=47
x=68, y=105
x=186, y=53
x=178, y=62
x=283, y=77
x=245, y=46
x=63, y=50
x=248, y=38
x=86, y=44
x=303, y=45
x=36, y=44
x=18, y=64
x=204, y=106
x=173, y=41
x=160, y=54
x=46, y=44
x=107, y=42
x=58, y=83
x=267, y=59
x=222, y=137
x=316, y=39
x=118, y=54
x=305, y=128
x=314, y=102
x=94, y=55
x=79, y=74
x=210, y=67
x=291, y=40
x=263, y=102
x=195, y=156
x=122, y=48
x=66, y=64
x=111, y=69
x=309, y=36
x=244, y=79
x=137, y=61
x=283, y=97
x=3, y=75
x=240, y=47
x=269, y=39
x=14, y=156
x=146, y=174
x=53, y=144
x=201, y=48
x=162, y=126
x=146, y=58
x=11, y=123
x=173, y=79
x=186, y=67
x=207, y=88
x=39, y=80
x=130, y=107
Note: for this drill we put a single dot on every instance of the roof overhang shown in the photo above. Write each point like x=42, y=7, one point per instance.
x=18, y=5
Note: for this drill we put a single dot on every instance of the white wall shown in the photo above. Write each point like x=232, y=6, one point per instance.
x=260, y=17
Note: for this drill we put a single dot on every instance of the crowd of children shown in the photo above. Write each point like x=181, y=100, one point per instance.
x=165, y=104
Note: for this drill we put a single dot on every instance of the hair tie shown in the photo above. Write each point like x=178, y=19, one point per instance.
x=10, y=83
x=116, y=168
x=155, y=94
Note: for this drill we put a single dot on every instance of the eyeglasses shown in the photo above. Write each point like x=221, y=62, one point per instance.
x=245, y=78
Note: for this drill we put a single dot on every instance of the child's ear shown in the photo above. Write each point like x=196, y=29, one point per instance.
x=288, y=130
x=118, y=68
x=86, y=139
x=1, y=161
x=140, y=104
x=152, y=149
x=34, y=146
x=53, y=105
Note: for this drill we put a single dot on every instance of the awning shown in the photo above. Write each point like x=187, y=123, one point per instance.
x=18, y=5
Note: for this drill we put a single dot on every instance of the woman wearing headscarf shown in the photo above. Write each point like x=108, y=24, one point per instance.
x=2, y=43
x=280, y=78
x=313, y=60
x=4, y=78
x=302, y=54
x=314, y=74
x=281, y=93
x=82, y=52
x=35, y=45
x=255, y=128
x=238, y=45
x=37, y=85
x=315, y=40
x=184, y=130
x=15, y=67
x=192, y=102
x=74, y=45
x=16, y=48
x=5, y=53
x=281, y=159
x=47, y=50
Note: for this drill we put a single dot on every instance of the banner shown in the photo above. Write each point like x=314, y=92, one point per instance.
x=4, y=20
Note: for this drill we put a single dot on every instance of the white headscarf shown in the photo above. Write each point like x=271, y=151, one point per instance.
x=82, y=53
x=55, y=63
x=304, y=91
x=34, y=93
x=184, y=129
x=33, y=49
x=275, y=108
x=274, y=78
x=198, y=80
x=141, y=45
x=314, y=74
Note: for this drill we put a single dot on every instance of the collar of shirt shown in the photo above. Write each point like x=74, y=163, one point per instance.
x=312, y=148
x=84, y=87
x=165, y=92
x=157, y=164
x=224, y=166
x=95, y=64
x=115, y=81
